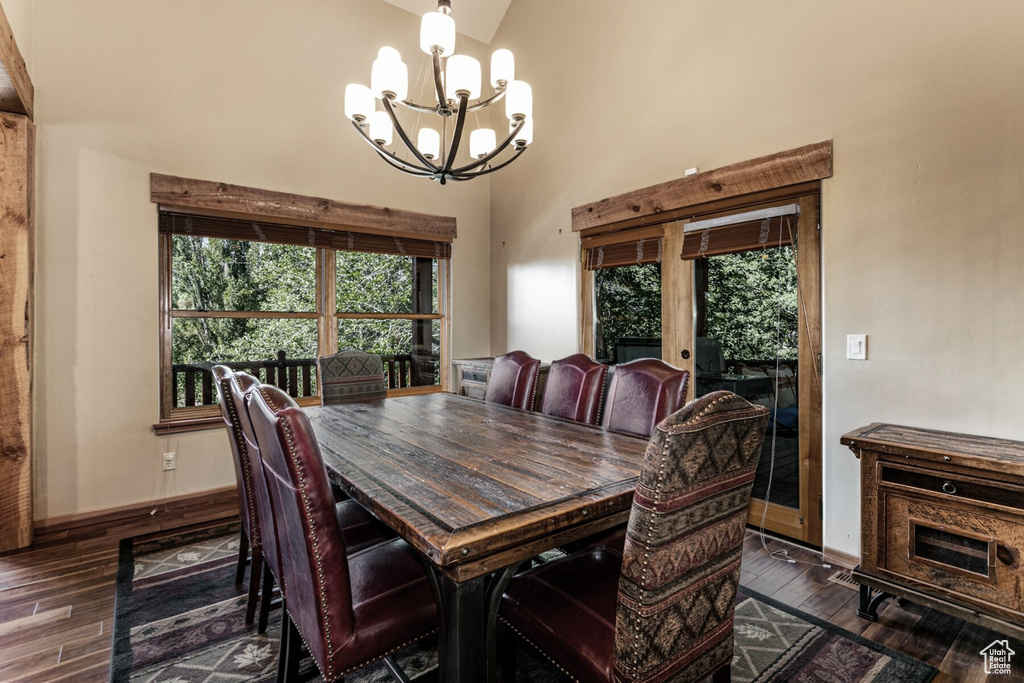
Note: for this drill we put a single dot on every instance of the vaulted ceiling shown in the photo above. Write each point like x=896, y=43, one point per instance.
x=478, y=19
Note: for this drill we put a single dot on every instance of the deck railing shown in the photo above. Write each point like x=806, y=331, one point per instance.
x=192, y=384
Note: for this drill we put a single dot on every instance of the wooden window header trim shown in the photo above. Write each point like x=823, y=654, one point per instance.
x=670, y=200
x=277, y=233
x=188, y=195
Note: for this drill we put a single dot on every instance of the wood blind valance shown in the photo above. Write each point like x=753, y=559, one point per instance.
x=261, y=231
x=731, y=239
x=630, y=253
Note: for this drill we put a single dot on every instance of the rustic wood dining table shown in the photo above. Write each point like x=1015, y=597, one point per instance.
x=477, y=488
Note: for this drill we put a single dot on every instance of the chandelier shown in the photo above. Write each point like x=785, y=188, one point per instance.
x=457, y=89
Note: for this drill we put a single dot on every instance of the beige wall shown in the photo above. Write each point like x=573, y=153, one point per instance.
x=241, y=91
x=922, y=223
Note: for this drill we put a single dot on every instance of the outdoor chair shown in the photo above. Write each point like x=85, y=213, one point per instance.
x=662, y=608
x=513, y=380
x=350, y=608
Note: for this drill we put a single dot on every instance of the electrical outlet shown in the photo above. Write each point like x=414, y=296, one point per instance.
x=170, y=461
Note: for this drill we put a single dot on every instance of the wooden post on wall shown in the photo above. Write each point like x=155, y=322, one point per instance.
x=17, y=254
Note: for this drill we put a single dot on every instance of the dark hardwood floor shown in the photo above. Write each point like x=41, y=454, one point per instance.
x=57, y=603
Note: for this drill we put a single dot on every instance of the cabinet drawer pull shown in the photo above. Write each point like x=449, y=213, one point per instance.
x=949, y=487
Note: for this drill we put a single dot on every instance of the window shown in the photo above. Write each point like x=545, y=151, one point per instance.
x=269, y=299
x=387, y=304
x=628, y=312
x=626, y=300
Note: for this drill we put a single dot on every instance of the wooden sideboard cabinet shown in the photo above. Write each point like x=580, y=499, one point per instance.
x=471, y=375
x=942, y=523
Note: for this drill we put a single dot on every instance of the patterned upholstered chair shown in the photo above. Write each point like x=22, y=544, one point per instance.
x=250, y=540
x=513, y=380
x=643, y=393
x=349, y=608
x=574, y=389
x=352, y=376
x=662, y=610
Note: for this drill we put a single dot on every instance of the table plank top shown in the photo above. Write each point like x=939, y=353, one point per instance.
x=473, y=485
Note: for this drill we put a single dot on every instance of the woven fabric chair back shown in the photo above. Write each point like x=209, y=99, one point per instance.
x=352, y=376
x=681, y=562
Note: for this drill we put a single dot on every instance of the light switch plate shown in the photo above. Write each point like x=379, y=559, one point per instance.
x=857, y=347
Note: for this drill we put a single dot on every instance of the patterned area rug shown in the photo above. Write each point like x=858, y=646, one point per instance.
x=179, y=618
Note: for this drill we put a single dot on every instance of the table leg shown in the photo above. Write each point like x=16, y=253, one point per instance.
x=462, y=646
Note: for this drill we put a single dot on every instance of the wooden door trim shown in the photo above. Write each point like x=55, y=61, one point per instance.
x=672, y=199
x=809, y=359
x=794, y=174
x=17, y=245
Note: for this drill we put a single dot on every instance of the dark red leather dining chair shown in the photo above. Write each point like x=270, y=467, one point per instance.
x=574, y=389
x=513, y=380
x=360, y=528
x=662, y=608
x=250, y=539
x=350, y=608
x=643, y=393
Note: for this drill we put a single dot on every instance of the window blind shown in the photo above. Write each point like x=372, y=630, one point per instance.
x=629, y=253
x=731, y=239
x=261, y=231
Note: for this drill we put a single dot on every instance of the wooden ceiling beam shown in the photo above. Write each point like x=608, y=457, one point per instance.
x=16, y=90
x=649, y=205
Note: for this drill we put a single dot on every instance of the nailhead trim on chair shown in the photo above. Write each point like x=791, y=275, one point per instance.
x=540, y=651
x=254, y=522
x=321, y=584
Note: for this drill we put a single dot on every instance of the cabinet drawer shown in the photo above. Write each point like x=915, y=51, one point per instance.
x=474, y=375
x=961, y=549
x=973, y=489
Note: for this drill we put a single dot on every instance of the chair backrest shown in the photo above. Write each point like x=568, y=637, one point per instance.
x=574, y=389
x=684, y=541
x=239, y=386
x=352, y=376
x=239, y=455
x=642, y=394
x=315, y=565
x=513, y=380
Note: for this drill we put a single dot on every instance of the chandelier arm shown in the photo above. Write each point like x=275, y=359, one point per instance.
x=400, y=164
x=432, y=109
x=405, y=138
x=496, y=97
x=438, y=85
x=497, y=150
x=457, y=175
x=422, y=108
x=460, y=123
